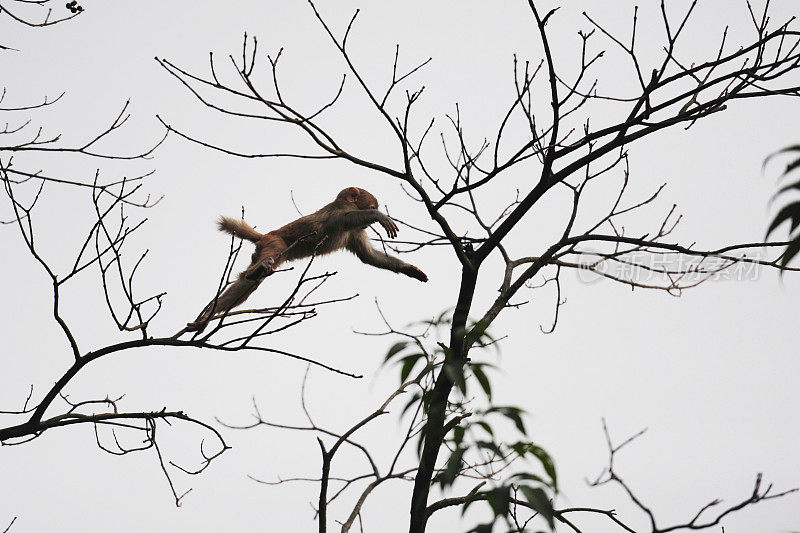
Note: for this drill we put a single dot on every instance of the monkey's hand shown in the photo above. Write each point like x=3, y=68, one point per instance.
x=361, y=219
x=413, y=272
x=388, y=224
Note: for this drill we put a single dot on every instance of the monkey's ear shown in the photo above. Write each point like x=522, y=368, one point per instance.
x=353, y=194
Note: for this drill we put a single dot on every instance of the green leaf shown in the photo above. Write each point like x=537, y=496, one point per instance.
x=521, y=447
x=447, y=476
x=547, y=462
x=483, y=380
x=788, y=149
x=789, y=211
x=445, y=317
x=414, y=399
x=538, y=500
x=499, y=500
x=791, y=166
x=455, y=371
x=469, y=502
x=426, y=399
x=458, y=434
x=408, y=363
x=485, y=426
x=790, y=252
x=427, y=368
x=512, y=413
x=489, y=445
x=527, y=476
x=420, y=444
x=790, y=186
x=395, y=349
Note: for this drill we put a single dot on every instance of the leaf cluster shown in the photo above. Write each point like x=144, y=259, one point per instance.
x=791, y=211
x=477, y=447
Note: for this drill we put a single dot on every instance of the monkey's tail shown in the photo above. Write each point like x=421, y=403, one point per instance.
x=239, y=228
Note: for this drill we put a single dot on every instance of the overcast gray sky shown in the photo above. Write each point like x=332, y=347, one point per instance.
x=712, y=374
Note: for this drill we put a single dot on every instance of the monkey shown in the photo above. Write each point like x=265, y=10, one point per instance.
x=340, y=224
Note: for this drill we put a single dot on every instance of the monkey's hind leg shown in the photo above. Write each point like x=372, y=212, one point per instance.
x=236, y=293
x=267, y=257
x=270, y=253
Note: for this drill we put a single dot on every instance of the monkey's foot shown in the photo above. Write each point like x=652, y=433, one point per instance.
x=262, y=270
x=197, y=325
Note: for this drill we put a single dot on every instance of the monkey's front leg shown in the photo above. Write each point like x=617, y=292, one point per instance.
x=358, y=243
x=361, y=219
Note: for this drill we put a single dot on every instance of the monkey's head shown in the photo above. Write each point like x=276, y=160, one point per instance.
x=359, y=198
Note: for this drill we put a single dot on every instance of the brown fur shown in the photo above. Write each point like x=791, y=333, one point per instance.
x=340, y=224
x=240, y=228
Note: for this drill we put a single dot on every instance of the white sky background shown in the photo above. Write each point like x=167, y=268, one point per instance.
x=712, y=374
